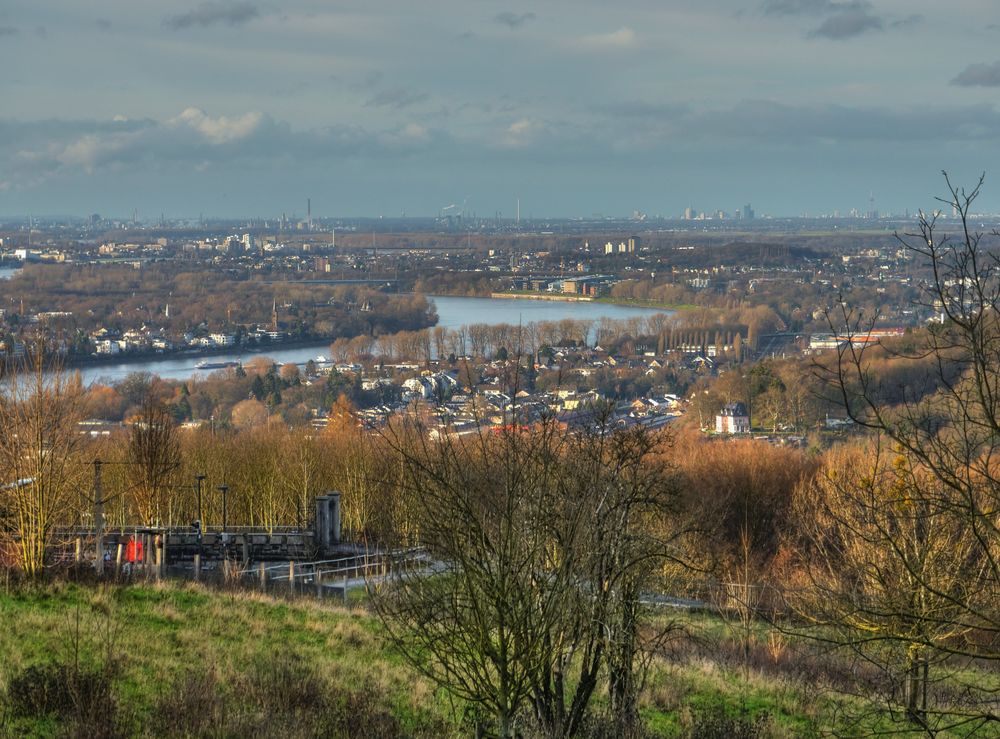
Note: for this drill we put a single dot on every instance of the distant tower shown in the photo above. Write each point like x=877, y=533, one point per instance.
x=519, y=212
x=274, y=315
x=309, y=212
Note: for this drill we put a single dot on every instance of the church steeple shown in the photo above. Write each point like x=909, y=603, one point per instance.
x=274, y=315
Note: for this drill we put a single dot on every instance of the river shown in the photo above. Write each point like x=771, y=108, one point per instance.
x=452, y=313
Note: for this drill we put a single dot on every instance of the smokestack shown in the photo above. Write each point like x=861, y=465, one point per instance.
x=309, y=212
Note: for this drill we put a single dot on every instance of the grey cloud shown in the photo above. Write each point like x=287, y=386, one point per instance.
x=368, y=83
x=841, y=19
x=812, y=7
x=847, y=25
x=776, y=124
x=45, y=150
x=209, y=13
x=8, y=31
x=513, y=20
x=35, y=152
x=641, y=109
x=103, y=23
x=396, y=97
x=908, y=22
x=979, y=75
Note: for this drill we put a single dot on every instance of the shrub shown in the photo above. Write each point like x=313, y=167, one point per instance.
x=285, y=684
x=193, y=706
x=715, y=722
x=83, y=698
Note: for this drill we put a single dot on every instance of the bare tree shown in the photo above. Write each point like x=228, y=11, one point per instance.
x=541, y=542
x=152, y=455
x=945, y=425
x=41, y=471
x=472, y=626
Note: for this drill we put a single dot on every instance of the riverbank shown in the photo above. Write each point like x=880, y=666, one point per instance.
x=91, y=361
x=527, y=294
x=631, y=302
x=605, y=300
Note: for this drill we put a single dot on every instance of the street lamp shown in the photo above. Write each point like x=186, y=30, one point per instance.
x=201, y=522
x=224, y=489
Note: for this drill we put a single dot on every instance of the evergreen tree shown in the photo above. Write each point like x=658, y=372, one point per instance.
x=257, y=389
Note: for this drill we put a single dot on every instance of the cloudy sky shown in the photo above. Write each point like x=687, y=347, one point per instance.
x=379, y=107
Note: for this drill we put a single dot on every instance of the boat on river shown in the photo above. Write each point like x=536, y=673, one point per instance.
x=206, y=365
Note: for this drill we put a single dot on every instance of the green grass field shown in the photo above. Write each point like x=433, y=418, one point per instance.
x=247, y=664
x=183, y=660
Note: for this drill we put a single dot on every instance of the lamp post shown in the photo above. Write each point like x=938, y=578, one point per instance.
x=201, y=522
x=98, y=518
x=224, y=489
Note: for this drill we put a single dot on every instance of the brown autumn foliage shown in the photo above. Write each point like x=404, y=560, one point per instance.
x=739, y=486
x=249, y=413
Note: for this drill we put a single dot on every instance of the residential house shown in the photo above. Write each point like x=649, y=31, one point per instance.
x=733, y=419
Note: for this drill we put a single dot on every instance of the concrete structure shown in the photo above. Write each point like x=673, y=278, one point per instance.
x=328, y=520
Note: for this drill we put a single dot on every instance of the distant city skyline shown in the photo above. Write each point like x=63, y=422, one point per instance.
x=238, y=108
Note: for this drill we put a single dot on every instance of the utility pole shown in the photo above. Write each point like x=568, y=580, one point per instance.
x=98, y=519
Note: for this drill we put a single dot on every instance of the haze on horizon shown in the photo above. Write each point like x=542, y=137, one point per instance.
x=247, y=107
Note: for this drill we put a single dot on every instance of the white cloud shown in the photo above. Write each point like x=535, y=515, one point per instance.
x=221, y=130
x=521, y=133
x=84, y=152
x=415, y=131
x=623, y=38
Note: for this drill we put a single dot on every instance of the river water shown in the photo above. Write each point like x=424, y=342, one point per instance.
x=452, y=313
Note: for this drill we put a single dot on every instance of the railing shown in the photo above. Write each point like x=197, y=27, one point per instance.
x=339, y=574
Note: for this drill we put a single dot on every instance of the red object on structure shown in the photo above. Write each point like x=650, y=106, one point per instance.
x=133, y=551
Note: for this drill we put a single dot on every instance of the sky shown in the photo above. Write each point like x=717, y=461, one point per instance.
x=241, y=108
